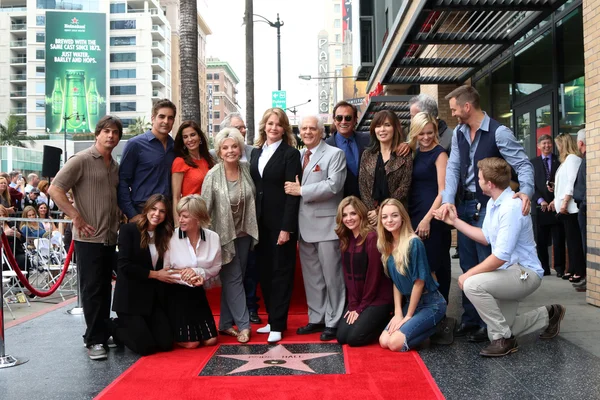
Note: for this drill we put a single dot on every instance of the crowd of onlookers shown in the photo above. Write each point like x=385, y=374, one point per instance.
x=370, y=215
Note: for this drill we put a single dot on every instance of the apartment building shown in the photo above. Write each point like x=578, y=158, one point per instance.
x=221, y=83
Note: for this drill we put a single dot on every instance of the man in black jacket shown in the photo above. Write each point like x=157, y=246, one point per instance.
x=546, y=224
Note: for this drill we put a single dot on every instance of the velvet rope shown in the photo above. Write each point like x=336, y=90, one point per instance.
x=23, y=279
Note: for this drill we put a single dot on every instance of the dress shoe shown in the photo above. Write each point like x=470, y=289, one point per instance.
x=556, y=312
x=547, y=273
x=455, y=256
x=479, y=335
x=463, y=330
x=310, y=328
x=566, y=276
x=500, y=347
x=274, y=337
x=574, y=279
x=254, y=318
x=328, y=334
x=581, y=283
x=444, y=332
x=559, y=274
x=264, y=329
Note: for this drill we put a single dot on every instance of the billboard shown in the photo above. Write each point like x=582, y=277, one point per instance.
x=76, y=78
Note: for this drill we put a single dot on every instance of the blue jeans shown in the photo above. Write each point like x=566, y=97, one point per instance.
x=430, y=311
x=471, y=253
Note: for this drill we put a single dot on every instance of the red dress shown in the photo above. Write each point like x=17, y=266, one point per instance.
x=192, y=177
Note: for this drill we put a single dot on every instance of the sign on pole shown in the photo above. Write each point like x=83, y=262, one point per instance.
x=278, y=99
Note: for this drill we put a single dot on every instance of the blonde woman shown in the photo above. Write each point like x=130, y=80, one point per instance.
x=418, y=305
x=5, y=200
x=565, y=206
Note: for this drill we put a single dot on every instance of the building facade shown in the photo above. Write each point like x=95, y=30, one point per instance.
x=221, y=83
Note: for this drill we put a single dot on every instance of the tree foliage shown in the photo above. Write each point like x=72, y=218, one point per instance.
x=13, y=132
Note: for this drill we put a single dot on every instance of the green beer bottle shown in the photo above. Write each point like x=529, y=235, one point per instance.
x=75, y=102
x=92, y=97
x=57, y=97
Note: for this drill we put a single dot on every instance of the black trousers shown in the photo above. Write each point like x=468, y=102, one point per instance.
x=577, y=265
x=276, y=269
x=367, y=327
x=145, y=334
x=95, y=265
x=582, y=219
x=542, y=240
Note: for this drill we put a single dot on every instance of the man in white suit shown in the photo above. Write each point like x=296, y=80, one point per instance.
x=321, y=189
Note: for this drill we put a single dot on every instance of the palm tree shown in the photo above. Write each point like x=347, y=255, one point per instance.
x=139, y=126
x=11, y=132
x=188, y=60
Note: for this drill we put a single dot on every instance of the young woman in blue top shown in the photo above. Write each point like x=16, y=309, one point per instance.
x=32, y=229
x=418, y=305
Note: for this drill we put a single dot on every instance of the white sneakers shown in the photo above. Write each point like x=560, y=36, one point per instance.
x=274, y=336
x=264, y=329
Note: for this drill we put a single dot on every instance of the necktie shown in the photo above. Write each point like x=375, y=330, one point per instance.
x=547, y=163
x=351, y=158
x=306, y=159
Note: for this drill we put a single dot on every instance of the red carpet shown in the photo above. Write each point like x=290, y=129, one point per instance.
x=371, y=372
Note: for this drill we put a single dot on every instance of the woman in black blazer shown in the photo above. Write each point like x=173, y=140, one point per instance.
x=143, y=325
x=274, y=162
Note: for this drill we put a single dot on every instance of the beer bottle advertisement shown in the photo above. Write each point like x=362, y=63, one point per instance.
x=76, y=71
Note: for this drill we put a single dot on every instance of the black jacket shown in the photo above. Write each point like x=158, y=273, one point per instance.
x=362, y=142
x=135, y=292
x=580, y=186
x=541, y=191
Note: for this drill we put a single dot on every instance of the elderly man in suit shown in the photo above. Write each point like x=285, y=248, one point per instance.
x=321, y=191
x=235, y=120
x=544, y=169
x=345, y=117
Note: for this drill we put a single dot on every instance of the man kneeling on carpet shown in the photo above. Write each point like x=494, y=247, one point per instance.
x=418, y=305
x=512, y=272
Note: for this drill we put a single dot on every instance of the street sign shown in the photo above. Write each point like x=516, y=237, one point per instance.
x=278, y=99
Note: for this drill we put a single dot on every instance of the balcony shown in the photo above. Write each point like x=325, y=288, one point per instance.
x=18, y=93
x=18, y=77
x=158, y=63
x=18, y=110
x=156, y=78
x=18, y=27
x=18, y=60
x=12, y=9
x=157, y=30
x=18, y=43
x=158, y=48
x=157, y=94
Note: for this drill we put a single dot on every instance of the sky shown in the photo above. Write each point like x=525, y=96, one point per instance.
x=302, y=22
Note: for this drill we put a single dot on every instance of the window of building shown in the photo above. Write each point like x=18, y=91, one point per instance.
x=123, y=106
x=216, y=128
x=81, y=5
x=122, y=57
x=216, y=88
x=338, y=54
x=216, y=76
x=40, y=37
x=40, y=121
x=122, y=90
x=532, y=69
x=217, y=102
x=122, y=73
x=117, y=8
x=337, y=8
x=127, y=121
x=209, y=77
x=122, y=41
x=40, y=54
x=40, y=71
x=483, y=87
x=502, y=79
x=40, y=105
x=337, y=23
x=217, y=114
x=40, y=88
x=338, y=38
x=40, y=20
x=125, y=24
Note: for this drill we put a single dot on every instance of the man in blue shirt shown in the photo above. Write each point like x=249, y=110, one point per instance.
x=477, y=137
x=511, y=272
x=145, y=167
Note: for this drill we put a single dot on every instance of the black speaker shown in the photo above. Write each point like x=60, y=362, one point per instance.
x=51, y=163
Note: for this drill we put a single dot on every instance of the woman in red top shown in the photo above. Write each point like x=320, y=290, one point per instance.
x=192, y=162
x=369, y=291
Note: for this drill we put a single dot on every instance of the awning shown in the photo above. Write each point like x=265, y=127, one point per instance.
x=397, y=104
x=451, y=39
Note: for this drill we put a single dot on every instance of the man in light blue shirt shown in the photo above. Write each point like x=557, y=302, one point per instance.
x=511, y=272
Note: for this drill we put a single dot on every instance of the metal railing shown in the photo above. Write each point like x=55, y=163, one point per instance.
x=18, y=43
x=18, y=110
x=19, y=93
x=18, y=77
x=18, y=27
x=18, y=60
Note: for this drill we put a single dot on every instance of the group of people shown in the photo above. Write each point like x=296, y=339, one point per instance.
x=370, y=214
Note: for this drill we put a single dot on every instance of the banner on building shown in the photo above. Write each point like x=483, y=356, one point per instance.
x=76, y=77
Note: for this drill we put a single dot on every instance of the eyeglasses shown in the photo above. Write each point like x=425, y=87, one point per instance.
x=239, y=128
x=347, y=118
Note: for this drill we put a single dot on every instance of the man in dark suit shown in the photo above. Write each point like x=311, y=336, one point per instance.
x=345, y=117
x=544, y=168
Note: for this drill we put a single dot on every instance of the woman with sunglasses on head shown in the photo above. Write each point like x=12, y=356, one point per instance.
x=192, y=162
x=369, y=291
x=384, y=174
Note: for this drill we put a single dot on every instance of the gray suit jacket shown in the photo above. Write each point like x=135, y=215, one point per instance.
x=322, y=191
x=247, y=151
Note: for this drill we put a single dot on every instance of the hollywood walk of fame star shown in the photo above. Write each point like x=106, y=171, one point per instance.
x=278, y=356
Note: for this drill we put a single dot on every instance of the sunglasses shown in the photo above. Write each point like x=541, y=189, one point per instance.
x=347, y=118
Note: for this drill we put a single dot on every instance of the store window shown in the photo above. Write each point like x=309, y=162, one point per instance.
x=502, y=79
x=533, y=65
x=483, y=87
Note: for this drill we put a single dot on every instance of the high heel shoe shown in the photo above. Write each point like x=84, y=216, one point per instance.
x=567, y=276
x=575, y=279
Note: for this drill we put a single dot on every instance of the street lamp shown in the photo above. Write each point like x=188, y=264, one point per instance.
x=326, y=77
x=294, y=109
x=277, y=25
x=66, y=118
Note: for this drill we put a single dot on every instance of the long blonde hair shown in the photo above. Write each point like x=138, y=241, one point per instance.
x=342, y=231
x=417, y=124
x=288, y=135
x=385, y=239
x=6, y=194
x=566, y=145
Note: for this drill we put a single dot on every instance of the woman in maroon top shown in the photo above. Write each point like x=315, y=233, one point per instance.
x=369, y=291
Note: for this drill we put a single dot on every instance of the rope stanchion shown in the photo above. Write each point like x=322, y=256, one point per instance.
x=13, y=263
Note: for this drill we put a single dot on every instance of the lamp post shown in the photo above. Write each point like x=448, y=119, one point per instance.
x=66, y=118
x=294, y=109
x=277, y=25
x=335, y=78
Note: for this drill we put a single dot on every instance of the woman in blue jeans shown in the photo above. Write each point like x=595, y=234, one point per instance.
x=405, y=262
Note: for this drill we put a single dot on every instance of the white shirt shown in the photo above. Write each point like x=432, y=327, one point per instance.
x=267, y=153
x=564, y=181
x=510, y=232
x=205, y=259
x=153, y=251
